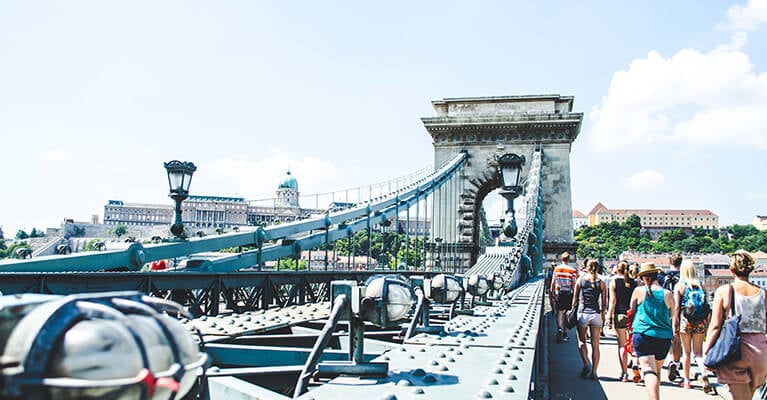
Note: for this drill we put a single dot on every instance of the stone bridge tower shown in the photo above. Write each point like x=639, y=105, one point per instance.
x=488, y=126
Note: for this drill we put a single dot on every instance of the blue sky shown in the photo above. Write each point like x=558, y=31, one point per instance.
x=95, y=95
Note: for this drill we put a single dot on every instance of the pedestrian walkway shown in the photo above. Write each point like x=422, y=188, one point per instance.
x=565, y=367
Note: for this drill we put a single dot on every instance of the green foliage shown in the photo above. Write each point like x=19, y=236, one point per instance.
x=629, y=236
x=119, y=230
x=36, y=233
x=91, y=245
x=78, y=230
x=21, y=234
x=290, y=264
x=10, y=251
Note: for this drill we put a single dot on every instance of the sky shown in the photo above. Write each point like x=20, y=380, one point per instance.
x=95, y=96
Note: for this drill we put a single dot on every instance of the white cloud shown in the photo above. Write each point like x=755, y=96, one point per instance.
x=645, y=181
x=747, y=17
x=691, y=97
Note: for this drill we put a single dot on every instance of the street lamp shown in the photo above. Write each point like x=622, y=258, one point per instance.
x=511, y=170
x=600, y=242
x=179, y=178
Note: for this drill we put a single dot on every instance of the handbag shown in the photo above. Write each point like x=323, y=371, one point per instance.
x=571, y=317
x=726, y=347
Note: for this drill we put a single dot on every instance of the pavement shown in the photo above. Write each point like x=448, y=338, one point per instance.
x=565, y=366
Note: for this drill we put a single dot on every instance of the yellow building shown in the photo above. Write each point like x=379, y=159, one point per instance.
x=760, y=222
x=656, y=218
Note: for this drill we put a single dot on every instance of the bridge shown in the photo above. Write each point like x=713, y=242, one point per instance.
x=461, y=320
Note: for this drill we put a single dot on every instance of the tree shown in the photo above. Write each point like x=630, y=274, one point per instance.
x=119, y=230
x=36, y=233
x=21, y=234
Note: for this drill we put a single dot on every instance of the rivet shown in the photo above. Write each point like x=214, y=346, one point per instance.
x=451, y=359
x=508, y=389
x=512, y=377
x=501, y=362
x=404, y=382
x=418, y=372
x=410, y=356
x=434, y=362
x=418, y=391
x=485, y=395
x=497, y=371
x=492, y=382
x=441, y=355
x=443, y=368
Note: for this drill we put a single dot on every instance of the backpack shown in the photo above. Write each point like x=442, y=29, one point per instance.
x=670, y=279
x=694, y=305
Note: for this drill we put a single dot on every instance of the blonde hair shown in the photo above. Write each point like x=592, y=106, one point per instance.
x=741, y=263
x=633, y=271
x=593, y=267
x=623, y=269
x=687, y=273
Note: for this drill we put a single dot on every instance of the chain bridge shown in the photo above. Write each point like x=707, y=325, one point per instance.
x=462, y=319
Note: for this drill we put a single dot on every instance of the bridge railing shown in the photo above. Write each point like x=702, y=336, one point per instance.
x=271, y=242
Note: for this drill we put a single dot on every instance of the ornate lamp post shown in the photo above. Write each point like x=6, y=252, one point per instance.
x=600, y=242
x=179, y=177
x=511, y=170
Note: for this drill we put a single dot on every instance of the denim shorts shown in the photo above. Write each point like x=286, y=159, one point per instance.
x=650, y=346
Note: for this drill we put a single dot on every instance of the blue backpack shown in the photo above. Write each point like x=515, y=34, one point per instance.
x=694, y=305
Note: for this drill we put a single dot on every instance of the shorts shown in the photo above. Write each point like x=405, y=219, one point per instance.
x=620, y=321
x=752, y=366
x=650, y=346
x=692, y=327
x=564, y=301
x=589, y=319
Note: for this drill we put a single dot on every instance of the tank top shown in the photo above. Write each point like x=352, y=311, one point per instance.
x=751, y=310
x=623, y=295
x=653, y=317
x=591, y=293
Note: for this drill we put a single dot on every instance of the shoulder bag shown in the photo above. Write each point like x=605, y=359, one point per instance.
x=726, y=347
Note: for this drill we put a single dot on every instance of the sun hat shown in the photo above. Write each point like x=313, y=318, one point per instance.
x=647, y=269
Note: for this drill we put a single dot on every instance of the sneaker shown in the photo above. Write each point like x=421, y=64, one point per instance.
x=565, y=338
x=707, y=388
x=673, y=372
x=586, y=371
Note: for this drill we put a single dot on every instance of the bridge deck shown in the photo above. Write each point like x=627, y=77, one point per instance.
x=565, y=365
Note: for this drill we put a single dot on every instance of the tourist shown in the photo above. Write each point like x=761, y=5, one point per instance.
x=589, y=297
x=691, y=321
x=750, y=372
x=621, y=287
x=668, y=280
x=652, y=307
x=562, y=286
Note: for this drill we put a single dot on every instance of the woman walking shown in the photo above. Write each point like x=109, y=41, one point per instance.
x=621, y=287
x=653, y=307
x=750, y=372
x=590, y=291
x=691, y=321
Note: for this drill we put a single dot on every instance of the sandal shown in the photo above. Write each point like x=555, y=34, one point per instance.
x=624, y=377
x=707, y=388
x=637, y=377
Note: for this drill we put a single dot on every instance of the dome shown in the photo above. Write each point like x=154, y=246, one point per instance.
x=289, y=182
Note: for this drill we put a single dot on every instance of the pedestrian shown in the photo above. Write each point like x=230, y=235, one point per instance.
x=621, y=287
x=691, y=321
x=750, y=372
x=653, y=307
x=668, y=280
x=589, y=297
x=562, y=285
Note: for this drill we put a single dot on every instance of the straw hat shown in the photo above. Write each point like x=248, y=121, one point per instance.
x=647, y=269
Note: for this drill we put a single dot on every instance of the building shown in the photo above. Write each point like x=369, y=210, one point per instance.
x=656, y=219
x=579, y=220
x=760, y=222
x=212, y=212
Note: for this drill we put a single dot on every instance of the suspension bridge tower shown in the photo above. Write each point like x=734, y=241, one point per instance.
x=486, y=128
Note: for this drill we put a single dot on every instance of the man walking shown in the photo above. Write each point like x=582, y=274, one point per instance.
x=562, y=286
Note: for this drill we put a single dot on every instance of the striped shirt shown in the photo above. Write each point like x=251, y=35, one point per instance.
x=564, y=277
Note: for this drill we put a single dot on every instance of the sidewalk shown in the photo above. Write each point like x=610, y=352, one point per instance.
x=565, y=381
